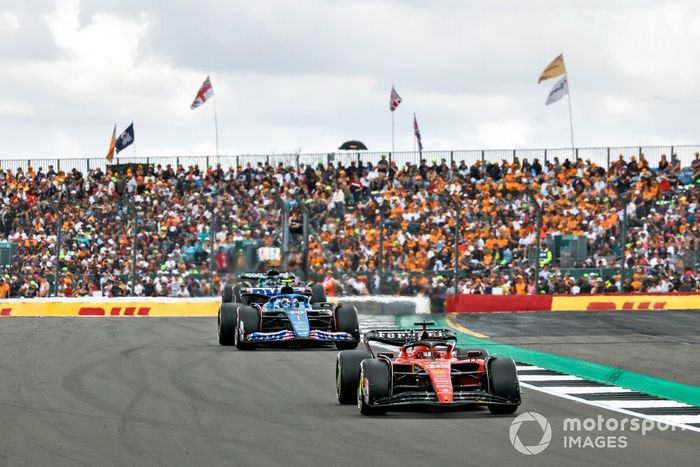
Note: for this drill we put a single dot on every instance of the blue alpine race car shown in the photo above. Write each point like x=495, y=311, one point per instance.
x=258, y=287
x=288, y=318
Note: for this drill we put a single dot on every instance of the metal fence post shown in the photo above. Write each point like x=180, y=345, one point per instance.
x=56, y=207
x=545, y=157
x=608, y=168
x=212, y=236
x=380, y=253
x=456, y=206
x=134, y=245
x=538, y=213
x=514, y=155
x=305, y=251
x=483, y=157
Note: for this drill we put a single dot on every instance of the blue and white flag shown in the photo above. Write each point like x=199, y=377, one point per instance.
x=126, y=138
x=560, y=89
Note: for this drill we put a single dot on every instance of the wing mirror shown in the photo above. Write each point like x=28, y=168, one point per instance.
x=389, y=355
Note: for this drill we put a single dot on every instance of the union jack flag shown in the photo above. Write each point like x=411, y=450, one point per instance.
x=205, y=92
x=394, y=99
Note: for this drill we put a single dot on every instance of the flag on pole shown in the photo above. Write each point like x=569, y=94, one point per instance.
x=554, y=69
x=126, y=138
x=394, y=99
x=560, y=89
x=416, y=130
x=205, y=92
x=112, y=144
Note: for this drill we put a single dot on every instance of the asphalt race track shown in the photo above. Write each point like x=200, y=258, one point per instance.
x=664, y=344
x=161, y=391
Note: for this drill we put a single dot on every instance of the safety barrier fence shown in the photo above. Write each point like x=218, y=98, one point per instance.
x=467, y=303
x=602, y=156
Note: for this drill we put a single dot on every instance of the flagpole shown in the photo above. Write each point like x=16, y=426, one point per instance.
x=216, y=129
x=571, y=119
x=392, y=134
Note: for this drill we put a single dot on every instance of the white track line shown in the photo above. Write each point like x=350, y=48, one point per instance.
x=675, y=420
x=644, y=404
x=526, y=378
x=678, y=420
x=585, y=389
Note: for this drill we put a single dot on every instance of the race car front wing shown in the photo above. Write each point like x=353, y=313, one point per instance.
x=288, y=335
x=431, y=399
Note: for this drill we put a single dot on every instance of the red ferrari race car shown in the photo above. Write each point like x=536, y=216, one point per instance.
x=427, y=371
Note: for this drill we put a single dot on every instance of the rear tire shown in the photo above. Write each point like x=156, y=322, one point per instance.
x=347, y=374
x=346, y=321
x=374, y=384
x=247, y=321
x=227, y=295
x=504, y=383
x=318, y=294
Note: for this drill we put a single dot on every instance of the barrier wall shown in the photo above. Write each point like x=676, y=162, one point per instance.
x=128, y=306
x=386, y=304
x=164, y=306
x=600, y=302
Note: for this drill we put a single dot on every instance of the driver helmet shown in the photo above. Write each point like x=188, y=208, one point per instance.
x=421, y=351
x=286, y=289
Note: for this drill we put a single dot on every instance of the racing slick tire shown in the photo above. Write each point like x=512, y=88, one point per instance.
x=227, y=295
x=227, y=323
x=347, y=374
x=318, y=294
x=504, y=383
x=346, y=321
x=462, y=353
x=374, y=384
x=248, y=319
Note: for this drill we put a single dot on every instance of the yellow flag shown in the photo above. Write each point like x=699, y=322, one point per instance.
x=112, y=144
x=554, y=69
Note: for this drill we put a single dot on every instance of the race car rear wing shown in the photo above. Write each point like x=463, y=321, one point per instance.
x=267, y=275
x=399, y=337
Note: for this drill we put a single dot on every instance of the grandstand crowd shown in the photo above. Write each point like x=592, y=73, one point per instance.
x=179, y=207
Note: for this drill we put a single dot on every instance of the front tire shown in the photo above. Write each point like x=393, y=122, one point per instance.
x=247, y=321
x=227, y=323
x=374, y=384
x=347, y=374
x=504, y=383
x=346, y=321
